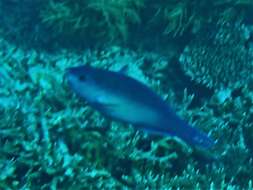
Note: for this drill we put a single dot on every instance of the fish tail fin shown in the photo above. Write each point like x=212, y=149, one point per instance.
x=196, y=137
x=182, y=130
x=190, y=134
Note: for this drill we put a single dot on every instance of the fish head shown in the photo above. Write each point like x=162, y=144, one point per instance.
x=98, y=88
x=83, y=81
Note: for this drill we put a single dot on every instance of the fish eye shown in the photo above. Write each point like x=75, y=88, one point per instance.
x=82, y=78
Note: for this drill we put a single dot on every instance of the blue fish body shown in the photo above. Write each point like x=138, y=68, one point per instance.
x=123, y=98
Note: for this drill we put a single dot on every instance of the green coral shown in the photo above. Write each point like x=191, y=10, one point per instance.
x=178, y=17
x=107, y=19
x=91, y=23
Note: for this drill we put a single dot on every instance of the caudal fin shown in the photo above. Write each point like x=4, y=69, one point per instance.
x=198, y=138
x=182, y=130
x=190, y=134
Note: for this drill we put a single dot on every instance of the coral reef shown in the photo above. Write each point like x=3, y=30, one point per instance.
x=54, y=23
x=51, y=140
x=178, y=17
x=103, y=19
x=21, y=24
x=219, y=58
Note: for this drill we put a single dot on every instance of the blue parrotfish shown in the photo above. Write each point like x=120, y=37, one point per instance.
x=123, y=98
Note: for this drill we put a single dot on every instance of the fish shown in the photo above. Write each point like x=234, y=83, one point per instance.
x=123, y=98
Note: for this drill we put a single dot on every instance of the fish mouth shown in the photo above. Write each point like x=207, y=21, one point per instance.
x=67, y=77
x=68, y=73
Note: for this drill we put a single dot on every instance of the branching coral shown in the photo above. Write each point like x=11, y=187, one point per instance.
x=219, y=58
x=95, y=19
x=178, y=17
x=95, y=22
x=51, y=140
x=231, y=121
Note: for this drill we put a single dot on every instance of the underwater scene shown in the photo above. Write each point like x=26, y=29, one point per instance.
x=126, y=94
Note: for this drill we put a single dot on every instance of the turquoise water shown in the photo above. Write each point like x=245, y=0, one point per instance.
x=196, y=55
